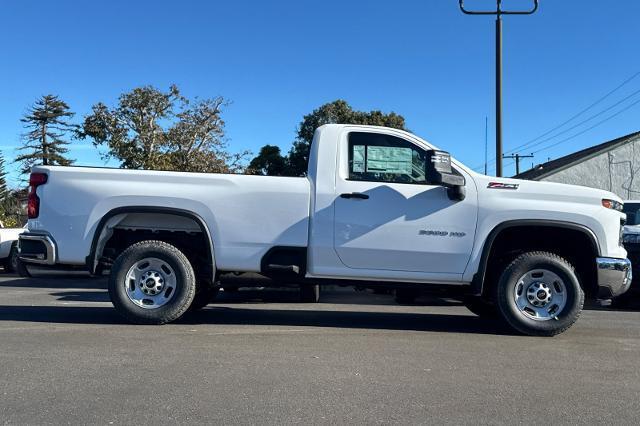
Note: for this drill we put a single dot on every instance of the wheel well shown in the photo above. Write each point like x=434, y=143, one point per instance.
x=575, y=245
x=121, y=229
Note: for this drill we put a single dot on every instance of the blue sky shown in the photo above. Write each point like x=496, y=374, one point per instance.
x=278, y=60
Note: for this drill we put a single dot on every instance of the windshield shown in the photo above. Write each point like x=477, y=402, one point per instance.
x=631, y=209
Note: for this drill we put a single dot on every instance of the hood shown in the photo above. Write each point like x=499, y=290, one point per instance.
x=545, y=190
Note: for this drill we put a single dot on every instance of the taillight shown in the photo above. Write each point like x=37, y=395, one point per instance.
x=33, y=202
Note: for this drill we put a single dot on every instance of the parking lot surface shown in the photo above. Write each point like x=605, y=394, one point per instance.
x=260, y=357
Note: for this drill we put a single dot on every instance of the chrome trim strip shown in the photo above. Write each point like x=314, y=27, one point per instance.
x=616, y=274
x=48, y=244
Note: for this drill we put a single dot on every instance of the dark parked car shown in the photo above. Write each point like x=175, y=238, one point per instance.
x=631, y=241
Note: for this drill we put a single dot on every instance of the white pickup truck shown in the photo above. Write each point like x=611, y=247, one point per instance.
x=9, y=247
x=379, y=207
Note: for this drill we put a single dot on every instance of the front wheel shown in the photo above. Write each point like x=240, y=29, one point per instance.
x=539, y=294
x=151, y=282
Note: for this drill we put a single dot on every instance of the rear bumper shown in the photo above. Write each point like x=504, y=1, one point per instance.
x=614, y=276
x=37, y=249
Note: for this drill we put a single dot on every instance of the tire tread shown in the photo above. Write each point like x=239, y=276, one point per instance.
x=517, y=326
x=151, y=319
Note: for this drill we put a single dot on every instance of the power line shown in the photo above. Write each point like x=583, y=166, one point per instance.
x=509, y=164
x=517, y=157
x=624, y=83
x=579, y=133
x=583, y=121
x=589, y=128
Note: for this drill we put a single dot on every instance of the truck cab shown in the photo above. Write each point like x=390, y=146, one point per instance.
x=379, y=214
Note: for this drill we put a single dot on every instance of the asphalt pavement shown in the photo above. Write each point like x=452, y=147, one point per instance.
x=261, y=357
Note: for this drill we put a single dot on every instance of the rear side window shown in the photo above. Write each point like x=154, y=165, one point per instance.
x=376, y=157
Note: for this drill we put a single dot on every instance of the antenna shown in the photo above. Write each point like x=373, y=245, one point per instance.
x=486, y=144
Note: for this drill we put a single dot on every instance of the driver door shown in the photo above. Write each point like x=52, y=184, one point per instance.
x=387, y=216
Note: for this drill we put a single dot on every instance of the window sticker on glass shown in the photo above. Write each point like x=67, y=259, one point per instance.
x=358, y=159
x=385, y=159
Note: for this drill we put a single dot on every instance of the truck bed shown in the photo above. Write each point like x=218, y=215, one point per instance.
x=245, y=215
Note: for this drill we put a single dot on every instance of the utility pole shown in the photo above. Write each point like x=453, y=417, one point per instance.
x=517, y=157
x=499, y=12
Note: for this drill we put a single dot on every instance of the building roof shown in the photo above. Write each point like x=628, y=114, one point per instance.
x=545, y=169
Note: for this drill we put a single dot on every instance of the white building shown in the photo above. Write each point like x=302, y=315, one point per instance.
x=613, y=166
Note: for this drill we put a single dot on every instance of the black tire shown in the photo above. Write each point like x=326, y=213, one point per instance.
x=406, y=296
x=205, y=293
x=22, y=270
x=183, y=294
x=11, y=264
x=309, y=293
x=508, y=288
x=481, y=307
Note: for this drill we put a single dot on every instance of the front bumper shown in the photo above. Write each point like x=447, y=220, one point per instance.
x=614, y=276
x=37, y=248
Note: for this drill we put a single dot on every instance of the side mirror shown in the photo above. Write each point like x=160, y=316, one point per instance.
x=439, y=172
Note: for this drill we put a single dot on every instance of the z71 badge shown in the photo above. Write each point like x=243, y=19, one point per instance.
x=502, y=185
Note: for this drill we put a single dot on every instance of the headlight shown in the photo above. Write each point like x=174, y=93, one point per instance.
x=631, y=238
x=612, y=204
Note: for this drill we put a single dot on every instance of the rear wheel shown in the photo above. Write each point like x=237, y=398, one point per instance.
x=539, y=294
x=151, y=282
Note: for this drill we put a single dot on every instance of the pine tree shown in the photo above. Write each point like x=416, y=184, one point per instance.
x=47, y=122
x=3, y=179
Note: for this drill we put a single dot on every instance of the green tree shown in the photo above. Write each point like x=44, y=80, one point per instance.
x=132, y=131
x=4, y=192
x=195, y=143
x=269, y=161
x=151, y=129
x=48, y=126
x=336, y=112
x=12, y=211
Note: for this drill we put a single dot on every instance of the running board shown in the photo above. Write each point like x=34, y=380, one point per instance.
x=284, y=269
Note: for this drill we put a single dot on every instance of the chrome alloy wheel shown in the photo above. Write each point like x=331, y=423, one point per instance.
x=540, y=295
x=150, y=283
